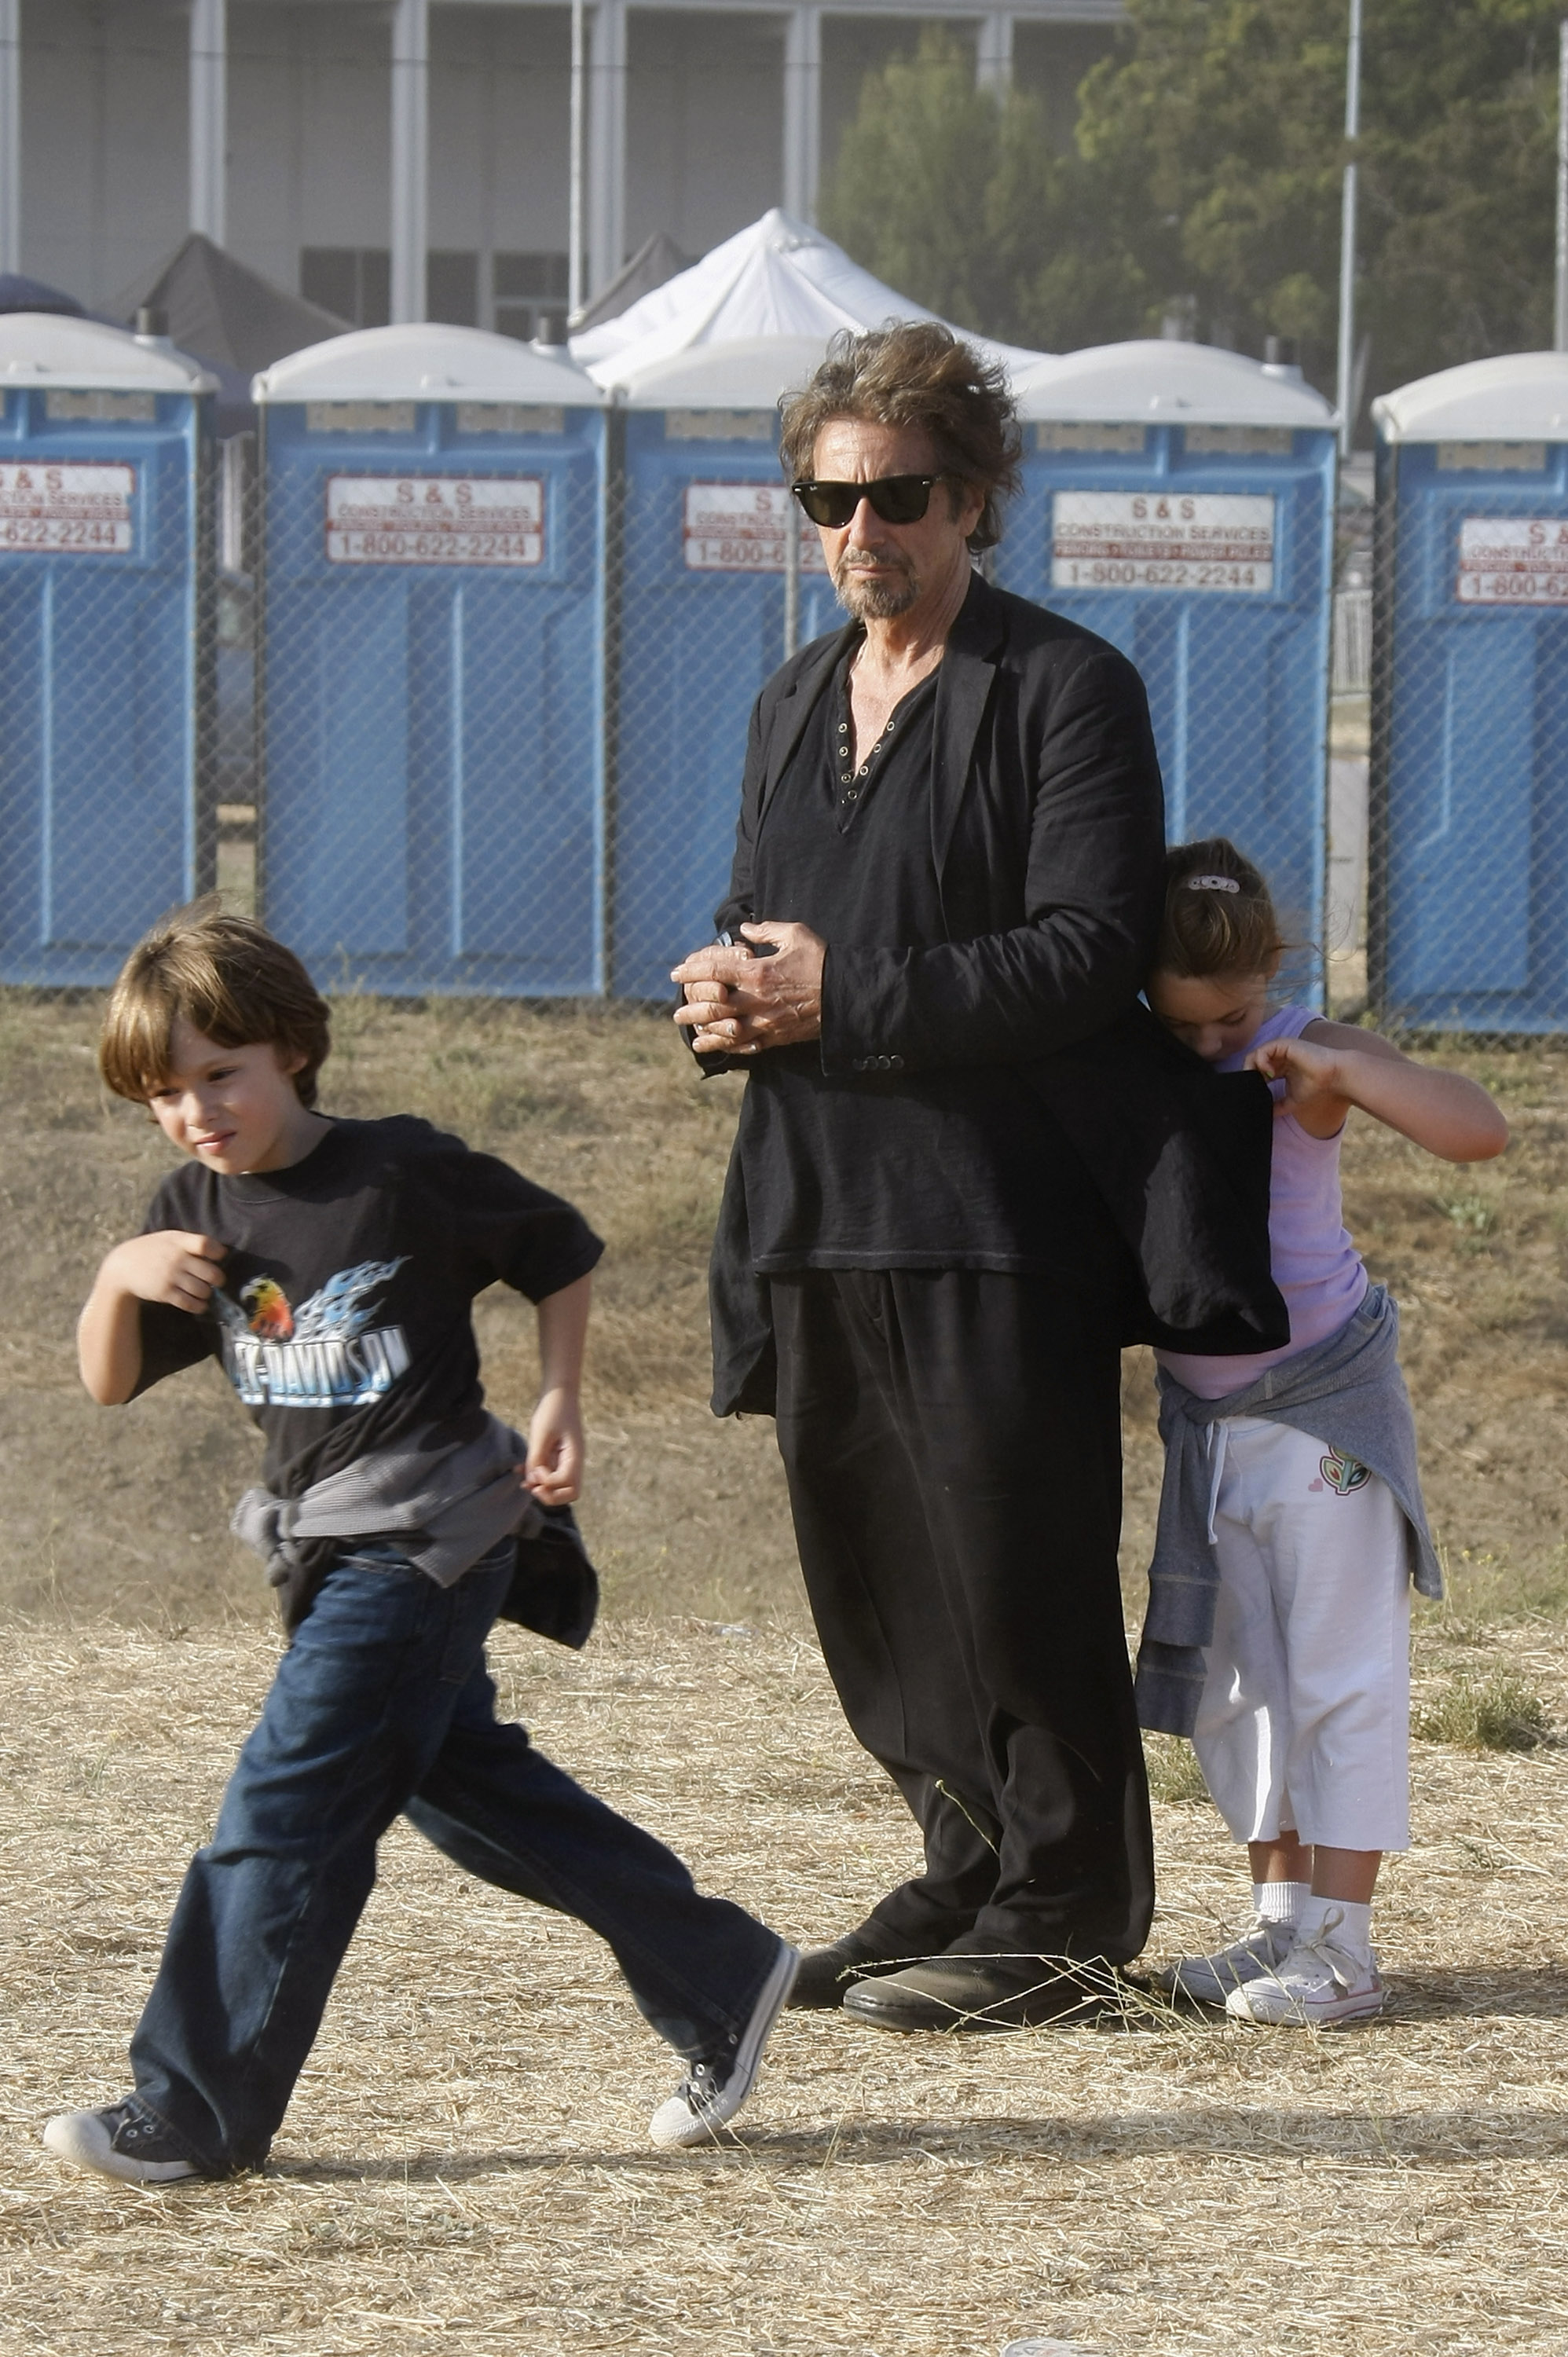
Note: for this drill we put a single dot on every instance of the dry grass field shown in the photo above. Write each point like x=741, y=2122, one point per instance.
x=466, y=2166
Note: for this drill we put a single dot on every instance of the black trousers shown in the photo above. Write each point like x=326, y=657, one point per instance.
x=952, y=1443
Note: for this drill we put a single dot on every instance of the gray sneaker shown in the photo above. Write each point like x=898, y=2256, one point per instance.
x=123, y=2141
x=715, y=2085
x=1208, y=1980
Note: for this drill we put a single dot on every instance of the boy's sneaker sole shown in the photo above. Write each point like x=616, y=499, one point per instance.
x=714, y=2088
x=121, y=2142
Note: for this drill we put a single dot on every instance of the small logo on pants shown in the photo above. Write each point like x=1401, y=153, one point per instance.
x=1343, y=1474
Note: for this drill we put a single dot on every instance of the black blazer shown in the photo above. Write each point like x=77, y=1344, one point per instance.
x=1047, y=836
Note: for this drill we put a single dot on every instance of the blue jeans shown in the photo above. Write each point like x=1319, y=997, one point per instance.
x=384, y=1704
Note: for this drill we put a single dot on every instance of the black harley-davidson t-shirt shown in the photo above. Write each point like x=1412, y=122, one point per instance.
x=344, y=1320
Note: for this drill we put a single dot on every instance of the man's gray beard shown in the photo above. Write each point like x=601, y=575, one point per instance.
x=880, y=599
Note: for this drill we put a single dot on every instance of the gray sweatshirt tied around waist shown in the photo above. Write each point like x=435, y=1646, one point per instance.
x=446, y=1507
x=1348, y=1393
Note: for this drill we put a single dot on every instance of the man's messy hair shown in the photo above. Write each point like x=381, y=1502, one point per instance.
x=229, y=980
x=915, y=372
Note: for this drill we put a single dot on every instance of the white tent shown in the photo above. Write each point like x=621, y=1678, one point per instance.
x=777, y=278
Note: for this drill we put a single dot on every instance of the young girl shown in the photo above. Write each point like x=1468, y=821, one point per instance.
x=1291, y=1518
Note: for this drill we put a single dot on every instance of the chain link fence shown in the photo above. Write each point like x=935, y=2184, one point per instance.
x=1205, y=552
x=486, y=751
x=469, y=720
x=1467, y=737
x=107, y=673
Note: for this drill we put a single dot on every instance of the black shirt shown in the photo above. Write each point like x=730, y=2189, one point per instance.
x=344, y=1318
x=958, y=1168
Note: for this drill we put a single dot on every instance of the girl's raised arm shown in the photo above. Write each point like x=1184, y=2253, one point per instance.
x=1334, y=1066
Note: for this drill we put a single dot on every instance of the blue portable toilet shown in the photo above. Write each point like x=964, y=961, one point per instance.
x=1179, y=501
x=718, y=578
x=106, y=816
x=1468, y=900
x=432, y=604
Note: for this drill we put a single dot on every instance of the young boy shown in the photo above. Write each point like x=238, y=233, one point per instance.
x=331, y=1266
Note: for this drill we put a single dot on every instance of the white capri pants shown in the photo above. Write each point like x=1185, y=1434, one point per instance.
x=1304, y=1720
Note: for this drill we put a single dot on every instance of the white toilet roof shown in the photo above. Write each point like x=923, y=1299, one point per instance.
x=46, y=348
x=1515, y=398
x=1160, y=382
x=427, y=363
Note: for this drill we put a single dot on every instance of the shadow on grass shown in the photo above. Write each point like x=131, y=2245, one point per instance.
x=1215, y=2130
x=1540, y=1996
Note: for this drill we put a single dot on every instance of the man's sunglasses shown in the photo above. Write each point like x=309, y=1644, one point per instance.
x=896, y=498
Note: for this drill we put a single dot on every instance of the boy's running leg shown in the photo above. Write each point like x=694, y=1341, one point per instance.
x=705, y=1975
x=357, y=1709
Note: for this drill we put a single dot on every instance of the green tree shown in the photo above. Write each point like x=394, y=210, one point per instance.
x=1207, y=164
x=958, y=198
x=911, y=193
x=1226, y=118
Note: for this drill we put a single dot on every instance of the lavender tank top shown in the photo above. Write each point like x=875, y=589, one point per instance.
x=1315, y=1265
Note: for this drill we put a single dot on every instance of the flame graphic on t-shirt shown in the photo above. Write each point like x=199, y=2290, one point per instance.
x=270, y=1316
x=325, y=1353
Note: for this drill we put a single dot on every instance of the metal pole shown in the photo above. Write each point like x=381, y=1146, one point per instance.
x=1560, y=321
x=10, y=134
x=410, y=158
x=1345, y=389
x=575, y=202
x=208, y=117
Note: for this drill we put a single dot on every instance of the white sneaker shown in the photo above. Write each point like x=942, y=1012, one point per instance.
x=1317, y=1981
x=715, y=2085
x=1214, y=1979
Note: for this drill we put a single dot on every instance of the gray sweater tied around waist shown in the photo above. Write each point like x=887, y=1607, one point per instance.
x=446, y=1507
x=1348, y=1393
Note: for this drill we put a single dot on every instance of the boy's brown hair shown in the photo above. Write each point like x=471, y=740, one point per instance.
x=1220, y=918
x=229, y=980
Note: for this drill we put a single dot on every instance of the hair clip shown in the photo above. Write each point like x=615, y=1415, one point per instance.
x=1212, y=884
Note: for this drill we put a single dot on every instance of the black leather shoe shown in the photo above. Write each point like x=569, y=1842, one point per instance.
x=826, y=1973
x=981, y=1992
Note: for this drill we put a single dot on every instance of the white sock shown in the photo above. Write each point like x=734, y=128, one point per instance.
x=1281, y=1902
x=1352, y=1932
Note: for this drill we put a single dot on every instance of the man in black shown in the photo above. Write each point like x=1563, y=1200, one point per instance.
x=948, y=876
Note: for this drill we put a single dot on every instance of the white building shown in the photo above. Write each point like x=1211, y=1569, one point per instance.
x=335, y=145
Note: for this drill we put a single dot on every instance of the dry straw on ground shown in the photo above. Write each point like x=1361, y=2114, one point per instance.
x=127, y=1514
x=465, y=2167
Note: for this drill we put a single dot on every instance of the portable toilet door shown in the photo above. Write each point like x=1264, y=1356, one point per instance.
x=430, y=634
x=718, y=578
x=1467, y=915
x=1179, y=501
x=106, y=816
